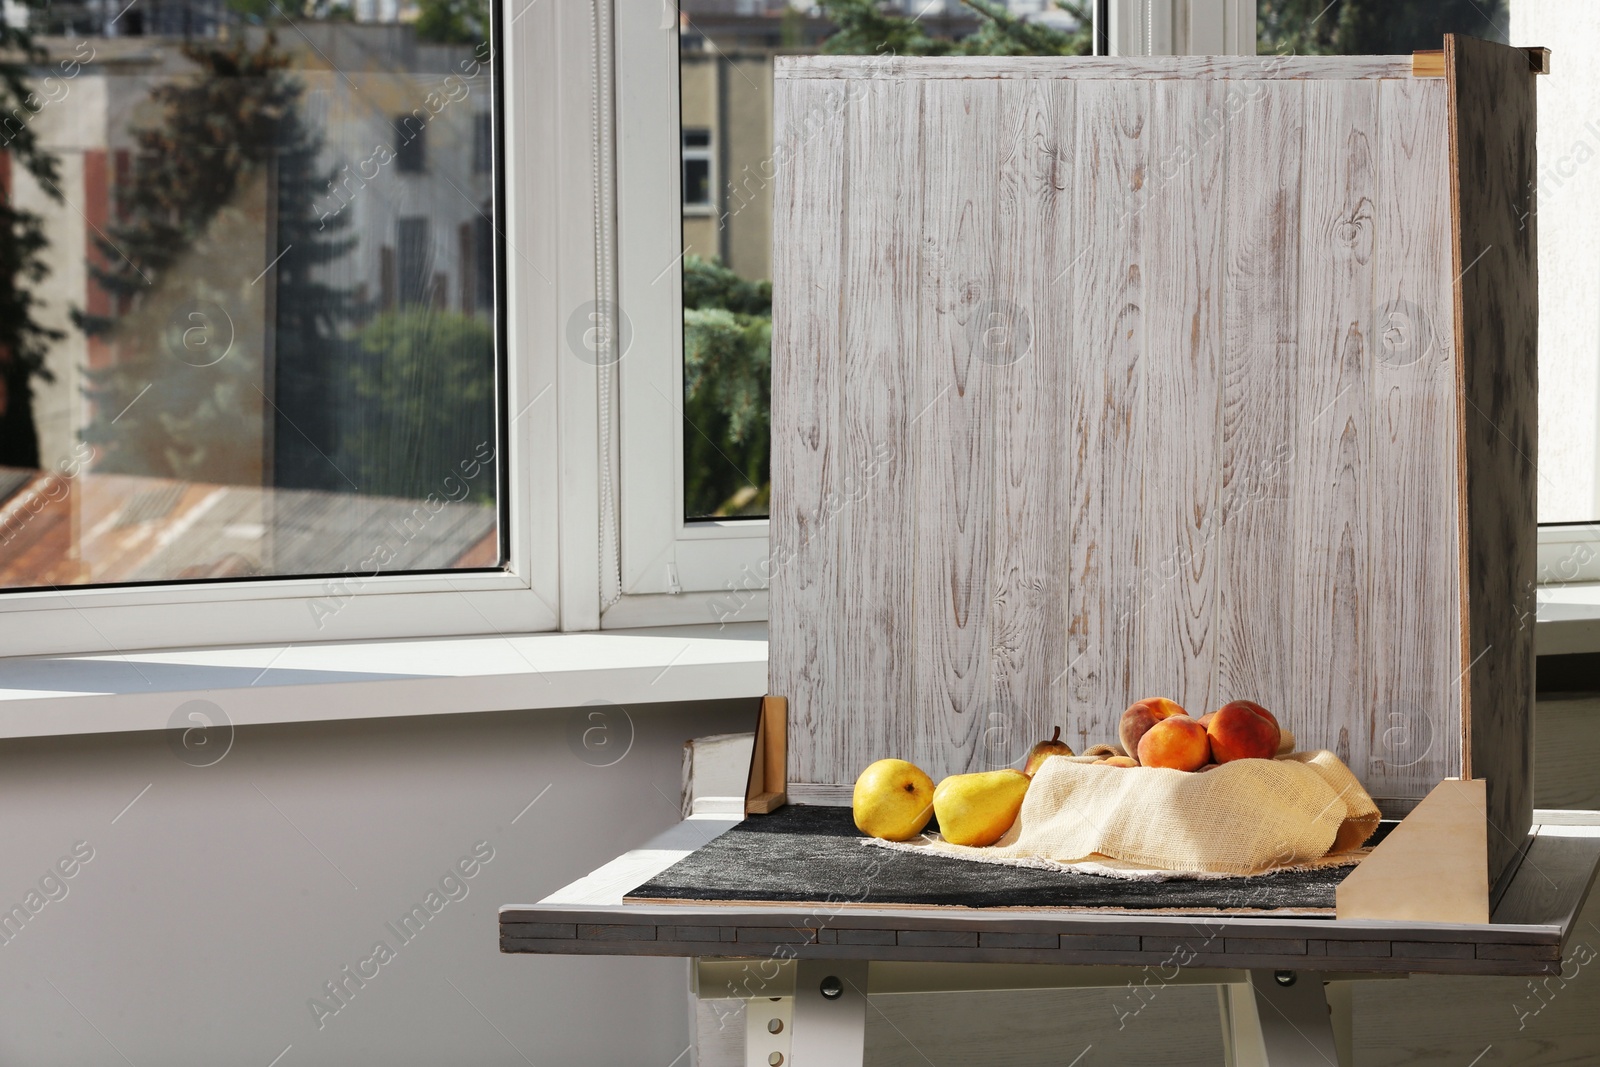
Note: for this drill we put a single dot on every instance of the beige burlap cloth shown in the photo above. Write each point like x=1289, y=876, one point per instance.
x=1246, y=817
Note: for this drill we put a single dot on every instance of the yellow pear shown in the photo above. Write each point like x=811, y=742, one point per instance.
x=893, y=800
x=978, y=809
x=1043, y=751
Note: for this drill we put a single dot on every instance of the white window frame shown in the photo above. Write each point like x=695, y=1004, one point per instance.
x=668, y=570
x=1180, y=27
x=547, y=61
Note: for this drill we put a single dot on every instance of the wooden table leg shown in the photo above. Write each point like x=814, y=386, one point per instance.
x=830, y=1014
x=1281, y=1019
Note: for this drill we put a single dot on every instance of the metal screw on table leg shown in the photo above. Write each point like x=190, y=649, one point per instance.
x=829, y=1026
x=1284, y=978
x=1296, y=1030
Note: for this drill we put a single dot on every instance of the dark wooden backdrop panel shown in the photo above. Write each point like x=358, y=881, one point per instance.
x=1492, y=170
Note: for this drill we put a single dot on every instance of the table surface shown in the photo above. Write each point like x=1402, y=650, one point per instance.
x=1526, y=934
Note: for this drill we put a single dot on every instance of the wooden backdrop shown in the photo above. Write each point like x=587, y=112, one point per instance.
x=1103, y=379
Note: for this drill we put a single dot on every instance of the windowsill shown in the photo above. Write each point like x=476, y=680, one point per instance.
x=1569, y=619
x=106, y=693
x=50, y=695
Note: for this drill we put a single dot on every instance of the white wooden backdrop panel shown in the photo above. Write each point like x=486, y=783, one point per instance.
x=1088, y=389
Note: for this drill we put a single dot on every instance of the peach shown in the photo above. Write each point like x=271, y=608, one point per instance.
x=1242, y=729
x=1177, y=742
x=1141, y=716
x=1115, y=761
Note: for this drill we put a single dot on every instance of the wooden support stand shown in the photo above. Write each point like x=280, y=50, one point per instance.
x=1433, y=867
x=767, y=789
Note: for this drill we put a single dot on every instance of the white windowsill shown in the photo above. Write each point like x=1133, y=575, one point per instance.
x=1569, y=619
x=49, y=695
x=104, y=693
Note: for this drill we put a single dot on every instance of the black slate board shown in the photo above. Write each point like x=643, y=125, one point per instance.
x=812, y=854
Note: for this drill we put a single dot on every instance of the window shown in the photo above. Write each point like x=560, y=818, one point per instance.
x=698, y=189
x=482, y=143
x=1361, y=27
x=415, y=262
x=258, y=391
x=206, y=394
x=482, y=291
x=411, y=149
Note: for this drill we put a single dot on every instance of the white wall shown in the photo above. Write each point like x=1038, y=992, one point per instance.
x=1569, y=254
x=205, y=921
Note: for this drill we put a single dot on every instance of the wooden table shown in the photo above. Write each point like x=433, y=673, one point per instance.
x=1278, y=976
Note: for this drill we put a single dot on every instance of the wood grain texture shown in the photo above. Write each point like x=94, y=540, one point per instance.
x=874, y=712
x=1554, y=880
x=1433, y=867
x=1414, y=576
x=1098, y=68
x=952, y=428
x=1329, y=691
x=1105, y=408
x=1491, y=114
x=1182, y=211
x=1226, y=460
x=1029, y=369
x=1257, y=620
x=807, y=359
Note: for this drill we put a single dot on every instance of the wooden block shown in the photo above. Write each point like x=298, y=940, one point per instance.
x=999, y=939
x=1518, y=952
x=1099, y=943
x=615, y=932
x=938, y=938
x=1357, y=948
x=555, y=930
x=1266, y=946
x=1433, y=867
x=1433, y=950
x=866, y=937
x=765, y=803
x=1177, y=944
x=774, y=935
x=1428, y=63
x=698, y=933
x=764, y=791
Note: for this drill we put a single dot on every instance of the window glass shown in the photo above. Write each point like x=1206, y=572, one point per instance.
x=1373, y=27
x=247, y=321
x=726, y=54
